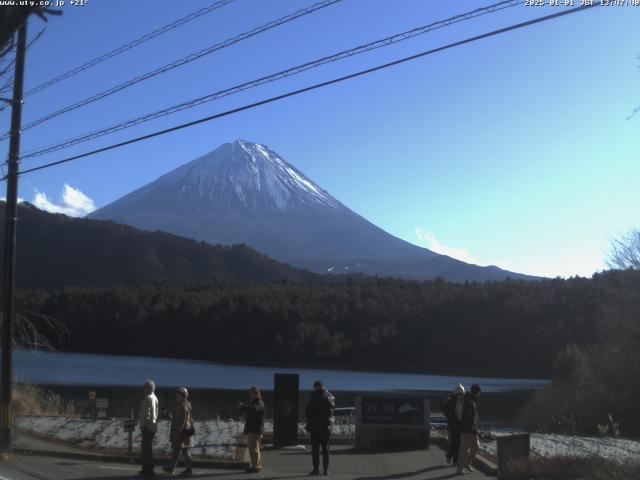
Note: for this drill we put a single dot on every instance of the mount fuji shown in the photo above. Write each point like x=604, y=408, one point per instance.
x=245, y=193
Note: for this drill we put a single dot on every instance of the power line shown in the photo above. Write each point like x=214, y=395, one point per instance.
x=313, y=87
x=180, y=62
x=8, y=85
x=123, y=48
x=128, y=46
x=272, y=77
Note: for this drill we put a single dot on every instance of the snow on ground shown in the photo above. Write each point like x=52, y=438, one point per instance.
x=72, y=430
x=549, y=445
x=214, y=438
x=219, y=438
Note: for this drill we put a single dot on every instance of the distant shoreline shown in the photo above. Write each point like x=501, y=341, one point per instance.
x=356, y=368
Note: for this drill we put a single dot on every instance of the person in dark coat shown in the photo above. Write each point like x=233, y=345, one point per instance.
x=319, y=413
x=469, y=427
x=181, y=433
x=254, y=427
x=453, y=409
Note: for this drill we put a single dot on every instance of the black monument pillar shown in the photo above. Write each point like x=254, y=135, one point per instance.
x=285, y=409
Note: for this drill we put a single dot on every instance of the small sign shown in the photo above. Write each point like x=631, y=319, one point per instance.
x=102, y=403
x=394, y=421
x=102, y=414
x=130, y=425
x=511, y=447
x=92, y=395
x=394, y=411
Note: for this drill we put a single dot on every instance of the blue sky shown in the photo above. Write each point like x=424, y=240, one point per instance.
x=516, y=150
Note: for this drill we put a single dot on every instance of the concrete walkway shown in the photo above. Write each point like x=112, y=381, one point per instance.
x=22, y=441
x=346, y=464
x=278, y=465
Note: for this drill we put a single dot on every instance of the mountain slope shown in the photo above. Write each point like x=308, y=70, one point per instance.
x=243, y=192
x=55, y=251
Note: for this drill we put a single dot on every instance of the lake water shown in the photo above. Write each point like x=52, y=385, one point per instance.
x=73, y=369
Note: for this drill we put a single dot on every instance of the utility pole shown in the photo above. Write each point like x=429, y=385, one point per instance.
x=11, y=213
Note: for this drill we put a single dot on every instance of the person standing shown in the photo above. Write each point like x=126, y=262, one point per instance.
x=452, y=410
x=319, y=413
x=148, y=422
x=254, y=427
x=469, y=427
x=182, y=431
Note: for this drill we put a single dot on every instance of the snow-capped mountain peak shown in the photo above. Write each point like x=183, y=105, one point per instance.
x=248, y=173
x=275, y=175
x=244, y=192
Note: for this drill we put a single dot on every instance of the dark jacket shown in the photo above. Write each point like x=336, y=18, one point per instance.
x=470, y=414
x=319, y=411
x=449, y=411
x=254, y=416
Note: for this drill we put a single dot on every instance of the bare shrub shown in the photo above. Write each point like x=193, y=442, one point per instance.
x=625, y=251
x=29, y=399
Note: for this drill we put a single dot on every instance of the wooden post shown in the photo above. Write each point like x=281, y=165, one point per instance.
x=130, y=448
x=10, y=216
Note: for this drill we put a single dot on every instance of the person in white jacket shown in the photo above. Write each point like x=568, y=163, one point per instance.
x=148, y=421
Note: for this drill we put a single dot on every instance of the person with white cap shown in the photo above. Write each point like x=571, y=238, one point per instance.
x=452, y=410
x=148, y=422
x=182, y=431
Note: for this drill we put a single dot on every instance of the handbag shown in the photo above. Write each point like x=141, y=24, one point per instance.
x=189, y=431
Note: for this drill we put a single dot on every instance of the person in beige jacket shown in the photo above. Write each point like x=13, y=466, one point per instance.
x=181, y=434
x=148, y=421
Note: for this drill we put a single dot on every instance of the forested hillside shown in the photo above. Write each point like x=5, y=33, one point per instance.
x=55, y=251
x=504, y=328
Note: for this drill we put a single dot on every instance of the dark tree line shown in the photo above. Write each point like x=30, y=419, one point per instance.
x=503, y=328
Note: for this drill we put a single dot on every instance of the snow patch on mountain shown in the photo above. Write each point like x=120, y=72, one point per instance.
x=282, y=180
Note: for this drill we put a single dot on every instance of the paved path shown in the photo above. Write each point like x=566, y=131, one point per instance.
x=278, y=464
x=20, y=440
